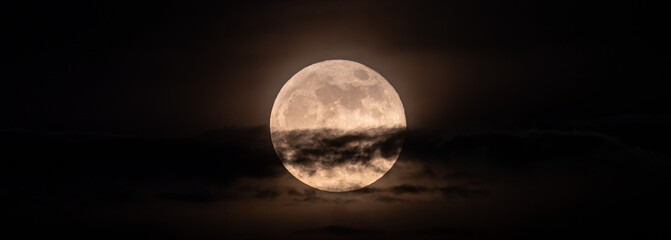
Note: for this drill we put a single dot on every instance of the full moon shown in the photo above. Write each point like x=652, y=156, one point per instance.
x=337, y=125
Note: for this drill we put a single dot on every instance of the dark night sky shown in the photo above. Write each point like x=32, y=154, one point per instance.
x=150, y=119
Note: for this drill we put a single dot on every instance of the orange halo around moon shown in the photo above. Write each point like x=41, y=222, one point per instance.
x=336, y=125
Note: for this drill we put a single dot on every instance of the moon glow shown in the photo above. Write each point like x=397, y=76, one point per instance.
x=337, y=125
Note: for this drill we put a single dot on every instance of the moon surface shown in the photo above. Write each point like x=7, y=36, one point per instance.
x=337, y=125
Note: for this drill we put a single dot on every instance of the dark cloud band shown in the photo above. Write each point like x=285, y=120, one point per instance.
x=330, y=147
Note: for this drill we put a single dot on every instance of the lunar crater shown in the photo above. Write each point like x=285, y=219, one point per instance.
x=361, y=74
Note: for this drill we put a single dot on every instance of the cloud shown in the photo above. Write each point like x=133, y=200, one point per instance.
x=523, y=149
x=210, y=163
x=536, y=179
x=311, y=195
x=266, y=194
x=390, y=199
x=409, y=193
x=406, y=188
x=293, y=192
x=461, y=191
x=404, y=193
x=331, y=147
